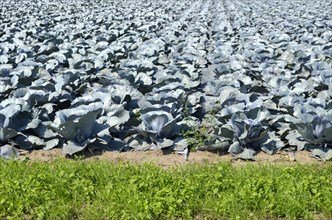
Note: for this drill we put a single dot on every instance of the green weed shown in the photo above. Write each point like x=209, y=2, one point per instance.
x=67, y=189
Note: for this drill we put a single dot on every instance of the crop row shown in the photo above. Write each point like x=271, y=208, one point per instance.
x=244, y=76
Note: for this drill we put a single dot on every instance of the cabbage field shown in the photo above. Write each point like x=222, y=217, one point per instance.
x=233, y=76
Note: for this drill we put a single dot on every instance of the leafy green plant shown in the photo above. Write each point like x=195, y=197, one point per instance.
x=67, y=189
x=196, y=137
x=199, y=135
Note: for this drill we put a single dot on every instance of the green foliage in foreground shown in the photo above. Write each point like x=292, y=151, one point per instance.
x=66, y=189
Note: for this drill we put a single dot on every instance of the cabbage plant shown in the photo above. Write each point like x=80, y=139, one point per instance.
x=251, y=134
x=8, y=152
x=79, y=129
x=311, y=131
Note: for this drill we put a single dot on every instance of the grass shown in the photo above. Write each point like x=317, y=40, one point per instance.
x=69, y=189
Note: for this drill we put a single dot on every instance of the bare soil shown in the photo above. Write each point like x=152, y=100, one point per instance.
x=167, y=159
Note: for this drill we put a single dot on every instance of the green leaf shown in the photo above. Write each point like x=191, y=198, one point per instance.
x=247, y=154
x=7, y=133
x=72, y=147
x=235, y=148
x=80, y=130
x=325, y=154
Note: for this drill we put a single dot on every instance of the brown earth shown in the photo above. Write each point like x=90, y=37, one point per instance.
x=172, y=159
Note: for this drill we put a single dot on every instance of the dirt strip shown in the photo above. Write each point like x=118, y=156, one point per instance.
x=172, y=159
